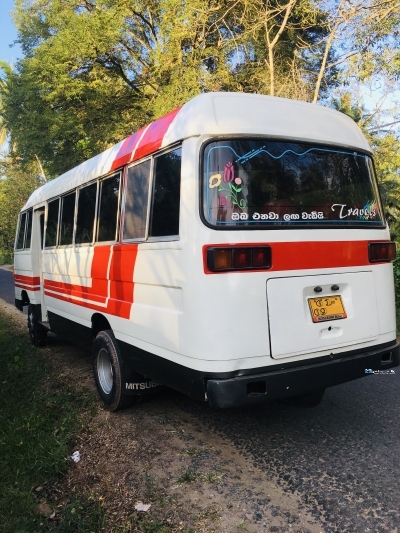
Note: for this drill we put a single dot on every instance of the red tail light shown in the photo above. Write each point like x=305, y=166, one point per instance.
x=235, y=258
x=381, y=251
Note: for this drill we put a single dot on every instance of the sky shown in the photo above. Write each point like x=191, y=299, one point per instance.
x=8, y=33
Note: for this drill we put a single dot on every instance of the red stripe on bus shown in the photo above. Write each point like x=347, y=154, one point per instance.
x=125, y=152
x=27, y=280
x=27, y=287
x=152, y=139
x=306, y=255
x=141, y=146
x=118, y=286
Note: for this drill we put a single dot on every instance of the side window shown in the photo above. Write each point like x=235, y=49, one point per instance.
x=41, y=230
x=67, y=219
x=52, y=223
x=21, y=232
x=86, y=213
x=108, y=208
x=27, y=243
x=136, y=201
x=164, y=219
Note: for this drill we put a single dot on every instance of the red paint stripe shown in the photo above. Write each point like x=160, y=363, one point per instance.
x=152, y=139
x=28, y=287
x=120, y=277
x=27, y=280
x=125, y=152
x=307, y=255
x=149, y=143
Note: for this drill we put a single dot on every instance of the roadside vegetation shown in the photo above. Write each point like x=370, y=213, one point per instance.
x=39, y=420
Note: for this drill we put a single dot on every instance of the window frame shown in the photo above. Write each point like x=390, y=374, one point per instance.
x=146, y=232
x=152, y=157
x=46, y=220
x=60, y=219
x=97, y=217
x=315, y=225
x=79, y=188
x=18, y=230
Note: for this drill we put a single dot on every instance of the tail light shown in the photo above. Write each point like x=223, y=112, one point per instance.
x=381, y=251
x=234, y=258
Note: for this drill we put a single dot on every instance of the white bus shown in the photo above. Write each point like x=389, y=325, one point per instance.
x=234, y=250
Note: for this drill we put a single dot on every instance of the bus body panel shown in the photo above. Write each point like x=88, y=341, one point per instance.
x=185, y=326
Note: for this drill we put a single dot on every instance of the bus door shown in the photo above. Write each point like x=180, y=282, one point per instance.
x=38, y=224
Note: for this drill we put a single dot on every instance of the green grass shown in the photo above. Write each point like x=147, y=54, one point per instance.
x=39, y=418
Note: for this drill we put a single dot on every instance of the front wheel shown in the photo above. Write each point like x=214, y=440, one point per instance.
x=107, y=365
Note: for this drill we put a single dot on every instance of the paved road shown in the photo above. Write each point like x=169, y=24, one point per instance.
x=7, y=286
x=342, y=458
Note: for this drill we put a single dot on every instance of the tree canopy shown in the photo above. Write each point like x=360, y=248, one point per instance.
x=93, y=71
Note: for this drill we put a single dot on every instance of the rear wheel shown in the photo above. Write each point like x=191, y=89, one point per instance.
x=36, y=334
x=107, y=364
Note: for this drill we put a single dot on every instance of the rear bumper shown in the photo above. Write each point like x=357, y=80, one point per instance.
x=287, y=382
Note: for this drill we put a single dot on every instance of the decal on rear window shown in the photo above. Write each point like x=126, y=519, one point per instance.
x=255, y=183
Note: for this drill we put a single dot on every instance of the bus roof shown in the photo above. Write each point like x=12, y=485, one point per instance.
x=216, y=114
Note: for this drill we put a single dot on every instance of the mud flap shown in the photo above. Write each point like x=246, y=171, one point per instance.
x=135, y=384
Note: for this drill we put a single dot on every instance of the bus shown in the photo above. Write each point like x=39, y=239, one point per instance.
x=234, y=250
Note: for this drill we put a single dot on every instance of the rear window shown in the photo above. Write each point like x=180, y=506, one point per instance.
x=256, y=183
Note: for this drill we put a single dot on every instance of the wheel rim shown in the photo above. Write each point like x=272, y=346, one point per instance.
x=104, y=371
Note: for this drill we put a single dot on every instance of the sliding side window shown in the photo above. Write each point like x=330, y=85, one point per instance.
x=53, y=208
x=164, y=219
x=21, y=232
x=136, y=201
x=67, y=219
x=108, y=209
x=86, y=214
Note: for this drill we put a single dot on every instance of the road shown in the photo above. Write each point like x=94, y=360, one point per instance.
x=341, y=459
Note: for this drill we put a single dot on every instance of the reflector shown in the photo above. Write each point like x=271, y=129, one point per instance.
x=381, y=251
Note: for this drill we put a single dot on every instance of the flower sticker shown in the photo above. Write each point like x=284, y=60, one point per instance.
x=229, y=172
x=214, y=181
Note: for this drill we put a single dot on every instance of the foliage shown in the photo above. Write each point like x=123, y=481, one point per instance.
x=17, y=183
x=93, y=72
x=38, y=420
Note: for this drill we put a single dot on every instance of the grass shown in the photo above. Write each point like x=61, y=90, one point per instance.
x=39, y=419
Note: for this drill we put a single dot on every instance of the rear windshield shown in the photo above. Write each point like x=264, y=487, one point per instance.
x=257, y=183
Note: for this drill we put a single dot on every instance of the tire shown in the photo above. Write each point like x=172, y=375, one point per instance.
x=107, y=365
x=310, y=399
x=38, y=336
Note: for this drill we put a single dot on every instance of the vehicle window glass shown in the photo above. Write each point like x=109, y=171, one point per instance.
x=108, y=209
x=166, y=196
x=67, y=219
x=86, y=212
x=263, y=183
x=21, y=231
x=136, y=201
x=41, y=230
x=27, y=243
x=52, y=223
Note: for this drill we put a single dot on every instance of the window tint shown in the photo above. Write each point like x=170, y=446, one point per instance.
x=166, y=196
x=41, y=229
x=86, y=212
x=264, y=183
x=52, y=223
x=21, y=231
x=108, y=209
x=28, y=235
x=67, y=219
x=136, y=199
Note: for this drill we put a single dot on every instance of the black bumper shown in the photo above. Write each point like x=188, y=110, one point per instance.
x=293, y=381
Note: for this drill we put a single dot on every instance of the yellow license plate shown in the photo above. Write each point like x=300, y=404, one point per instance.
x=327, y=308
